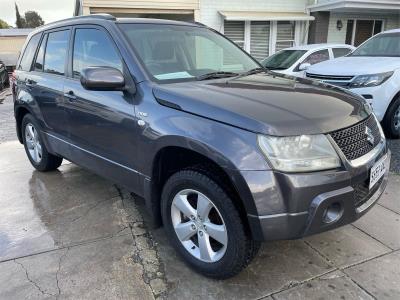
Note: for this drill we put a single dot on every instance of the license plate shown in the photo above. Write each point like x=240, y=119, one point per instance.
x=377, y=171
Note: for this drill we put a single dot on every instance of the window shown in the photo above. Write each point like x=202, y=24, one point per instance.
x=56, y=52
x=171, y=52
x=259, y=40
x=40, y=56
x=317, y=57
x=285, y=35
x=339, y=52
x=29, y=53
x=283, y=60
x=92, y=47
x=234, y=30
x=385, y=44
x=358, y=31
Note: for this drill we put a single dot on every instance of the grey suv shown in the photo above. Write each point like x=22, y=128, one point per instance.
x=225, y=154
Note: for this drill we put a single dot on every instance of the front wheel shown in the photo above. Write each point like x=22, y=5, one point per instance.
x=35, y=149
x=391, y=122
x=204, y=226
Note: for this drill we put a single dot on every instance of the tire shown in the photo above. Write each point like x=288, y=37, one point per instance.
x=237, y=249
x=41, y=160
x=391, y=122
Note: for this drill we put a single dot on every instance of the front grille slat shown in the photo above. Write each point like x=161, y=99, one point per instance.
x=353, y=140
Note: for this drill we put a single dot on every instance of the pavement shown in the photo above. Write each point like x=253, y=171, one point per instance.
x=70, y=234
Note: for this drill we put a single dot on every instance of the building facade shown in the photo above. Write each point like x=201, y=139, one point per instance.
x=11, y=42
x=351, y=21
x=262, y=27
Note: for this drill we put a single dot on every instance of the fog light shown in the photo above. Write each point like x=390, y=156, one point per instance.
x=332, y=213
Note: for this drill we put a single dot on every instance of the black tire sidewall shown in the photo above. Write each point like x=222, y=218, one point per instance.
x=388, y=121
x=230, y=263
x=28, y=118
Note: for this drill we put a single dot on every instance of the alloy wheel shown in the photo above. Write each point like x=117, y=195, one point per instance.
x=199, y=225
x=33, y=143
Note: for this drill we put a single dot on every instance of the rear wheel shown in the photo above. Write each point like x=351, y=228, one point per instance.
x=204, y=225
x=35, y=149
x=391, y=122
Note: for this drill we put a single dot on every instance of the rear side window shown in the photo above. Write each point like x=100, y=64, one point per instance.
x=26, y=60
x=339, y=52
x=56, y=52
x=93, y=47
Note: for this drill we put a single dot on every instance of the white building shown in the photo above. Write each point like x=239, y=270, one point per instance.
x=351, y=21
x=263, y=27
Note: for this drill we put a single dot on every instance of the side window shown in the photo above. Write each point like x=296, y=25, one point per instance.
x=339, y=52
x=40, y=56
x=92, y=47
x=317, y=57
x=56, y=52
x=26, y=60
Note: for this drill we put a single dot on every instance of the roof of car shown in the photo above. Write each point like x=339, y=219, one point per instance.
x=319, y=46
x=392, y=30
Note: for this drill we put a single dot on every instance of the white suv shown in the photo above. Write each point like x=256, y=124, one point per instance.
x=372, y=71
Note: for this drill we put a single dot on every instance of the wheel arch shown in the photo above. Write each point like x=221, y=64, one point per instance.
x=20, y=113
x=171, y=159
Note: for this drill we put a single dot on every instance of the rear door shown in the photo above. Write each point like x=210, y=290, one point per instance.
x=101, y=124
x=46, y=80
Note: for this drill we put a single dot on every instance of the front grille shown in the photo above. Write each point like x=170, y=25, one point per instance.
x=353, y=141
x=329, y=77
x=362, y=192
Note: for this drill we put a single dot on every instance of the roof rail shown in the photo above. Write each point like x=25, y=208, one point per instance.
x=93, y=16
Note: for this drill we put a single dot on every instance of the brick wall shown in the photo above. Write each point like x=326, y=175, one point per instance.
x=318, y=32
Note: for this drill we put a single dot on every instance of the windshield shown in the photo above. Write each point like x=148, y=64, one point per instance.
x=387, y=44
x=283, y=59
x=178, y=53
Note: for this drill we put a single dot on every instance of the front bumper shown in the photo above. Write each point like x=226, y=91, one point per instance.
x=303, y=204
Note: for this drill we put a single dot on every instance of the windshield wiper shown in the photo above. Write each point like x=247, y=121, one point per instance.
x=218, y=74
x=251, y=72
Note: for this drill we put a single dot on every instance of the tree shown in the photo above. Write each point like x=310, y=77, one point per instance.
x=3, y=24
x=20, y=22
x=33, y=19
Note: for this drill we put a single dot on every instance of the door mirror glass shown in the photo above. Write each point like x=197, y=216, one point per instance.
x=304, y=66
x=102, y=79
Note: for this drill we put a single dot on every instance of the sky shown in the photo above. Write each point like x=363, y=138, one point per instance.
x=49, y=10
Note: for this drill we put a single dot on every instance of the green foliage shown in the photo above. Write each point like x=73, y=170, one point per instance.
x=31, y=20
x=3, y=24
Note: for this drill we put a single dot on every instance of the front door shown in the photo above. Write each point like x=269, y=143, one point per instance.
x=101, y=124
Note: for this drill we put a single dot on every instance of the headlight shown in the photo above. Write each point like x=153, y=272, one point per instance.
x=302, y=153
x=370, y=80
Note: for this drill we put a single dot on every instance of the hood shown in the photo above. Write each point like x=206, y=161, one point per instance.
x=270, y=104
x=355, y=65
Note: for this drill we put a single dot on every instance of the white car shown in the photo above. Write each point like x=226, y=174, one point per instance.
x=372, y=71
x=294, y=61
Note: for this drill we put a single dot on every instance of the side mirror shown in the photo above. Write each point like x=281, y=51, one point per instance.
x=102, y=79
x=304, y=66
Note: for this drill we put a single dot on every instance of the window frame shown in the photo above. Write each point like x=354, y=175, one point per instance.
x=47, y=32
x=70, y=73
x=40, y=34
x=273, y=35
x=354, y=29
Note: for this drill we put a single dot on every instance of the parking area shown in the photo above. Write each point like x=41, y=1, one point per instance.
x=71, y=234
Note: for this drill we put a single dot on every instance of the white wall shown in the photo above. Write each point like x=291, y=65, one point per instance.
x=209, y=8
x=336, y=36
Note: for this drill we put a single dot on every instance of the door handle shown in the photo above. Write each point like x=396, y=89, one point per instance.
x=70, y=95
